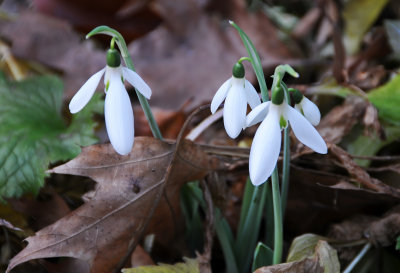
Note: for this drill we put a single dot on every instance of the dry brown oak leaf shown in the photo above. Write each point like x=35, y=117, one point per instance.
x=101, y=230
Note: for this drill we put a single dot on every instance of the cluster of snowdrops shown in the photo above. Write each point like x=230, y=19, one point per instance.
x=237, y=92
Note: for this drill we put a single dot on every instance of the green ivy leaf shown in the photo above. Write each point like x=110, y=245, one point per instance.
x=189, y=266
x=34, y=134
x=387, y=100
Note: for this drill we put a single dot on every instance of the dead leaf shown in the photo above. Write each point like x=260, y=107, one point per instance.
x=341, y=119
x=101, y=230
x=383, y=232
x=54, y=43
x=192, y=53
x=360, y=175
x=140, y=257
x=324, y=260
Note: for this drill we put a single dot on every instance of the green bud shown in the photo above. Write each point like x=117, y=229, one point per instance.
x=277, y=95
x=297, y=95
x=113, y=58
x=238, y=70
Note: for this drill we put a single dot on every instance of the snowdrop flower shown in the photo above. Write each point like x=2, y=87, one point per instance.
x=237, y=93
x=306, y=107
x=275, y=115
x=117, y=108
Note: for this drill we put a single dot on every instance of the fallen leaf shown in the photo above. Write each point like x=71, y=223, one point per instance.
x=324, y=259
x=53, y=42
x=141, y=257
x=101, y=230
x=360, y=175
x=383, y=232
x=192, y=53
x=358, y=16
x=189, y=266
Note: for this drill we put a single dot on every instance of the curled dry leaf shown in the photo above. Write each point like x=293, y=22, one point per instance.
x=101, y=230
x=360, y=175
x=323, y=260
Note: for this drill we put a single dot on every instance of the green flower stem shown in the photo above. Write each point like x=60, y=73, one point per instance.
x=269, y=212
x=244, y=59
x=280, y=71
x=129, y=63
x=286, y=159
x=278, y=226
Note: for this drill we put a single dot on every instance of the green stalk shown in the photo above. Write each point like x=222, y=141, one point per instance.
x=249, y=228
x=129, y=63
x=278, y=227
x=286, y=159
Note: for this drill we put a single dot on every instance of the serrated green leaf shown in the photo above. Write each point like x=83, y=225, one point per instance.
x=34, y=134
x=393, y=32
x=189, y=266
x=387, y=100
x=359, y=15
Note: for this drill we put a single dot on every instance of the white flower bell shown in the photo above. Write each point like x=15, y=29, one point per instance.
x=266, y=146
x=117, y=108
x=237, y=93
x=306, y=107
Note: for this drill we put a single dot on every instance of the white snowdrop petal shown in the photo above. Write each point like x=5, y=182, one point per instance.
x=220, y=95
x=235, y=111
x=119, y=117
x=136, y=81
x=311, y=111
x=85, y=93
x=252, y=96
x=304, y=131
x=265, y=149
x=257, y=114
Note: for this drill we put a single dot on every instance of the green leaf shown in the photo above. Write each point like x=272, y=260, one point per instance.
x=398, y=243
x=393, y=32
x=255, y=60
x=370, y=145
x=329, y=86
x=262, y=256
x=190, y=197
x=189, y=266
x=33, y=132
x=359, y=15
x=387, y=100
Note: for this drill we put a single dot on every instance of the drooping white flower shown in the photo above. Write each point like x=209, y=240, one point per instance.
x=266, y=146
x=117, y=108
x=306, y=107
x=237, y=93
